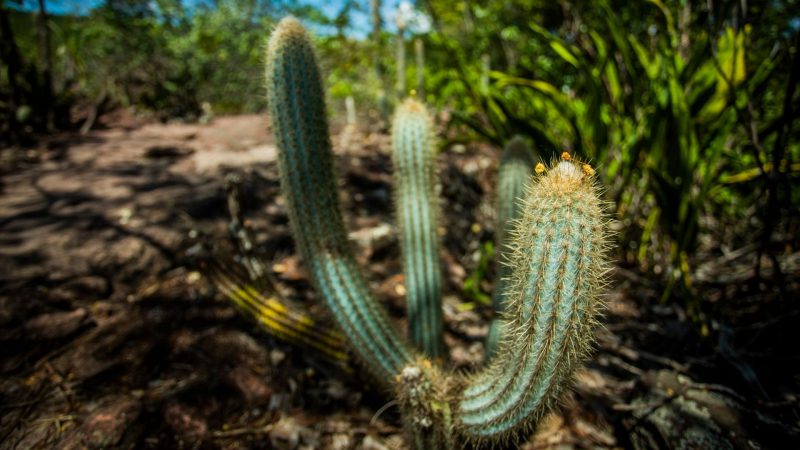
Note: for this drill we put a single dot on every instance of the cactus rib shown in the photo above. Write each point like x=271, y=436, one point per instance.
x=516, y=168
x=558, y=262
x=417, y=211
x=557, y=259
x=297, y=107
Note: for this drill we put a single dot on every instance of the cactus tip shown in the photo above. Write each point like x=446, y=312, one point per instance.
x=566, y=170
x=411, y=105
x=288, y=29
x=570, y=169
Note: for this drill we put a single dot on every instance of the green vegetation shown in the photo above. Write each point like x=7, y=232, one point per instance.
x=557, y=255
x=688, y=110
x=675, y=101
x=158, y=57
x=297, y=107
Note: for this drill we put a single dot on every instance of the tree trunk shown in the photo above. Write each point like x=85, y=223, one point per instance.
x=486, y=66
x=419, y=52
x=9, y=55
x=684, y=27
x=383, y=105
x=350, y=108
x=45, y=63
x=401, y=62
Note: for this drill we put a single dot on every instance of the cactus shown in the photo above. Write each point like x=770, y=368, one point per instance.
x=255, y=295
x=417, y=211
x=297, y=107
x=553, y=294
x=558, y=261
x=516, y=167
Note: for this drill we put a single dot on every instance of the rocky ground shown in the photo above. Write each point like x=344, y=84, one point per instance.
x=110, y=336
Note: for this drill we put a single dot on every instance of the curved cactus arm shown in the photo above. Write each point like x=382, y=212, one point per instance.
x=417, y=212
x=516, y=169
x=553, y=297
x=297, y=108
x=558, y=262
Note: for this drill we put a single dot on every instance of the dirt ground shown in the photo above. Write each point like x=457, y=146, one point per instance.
x=110, y=337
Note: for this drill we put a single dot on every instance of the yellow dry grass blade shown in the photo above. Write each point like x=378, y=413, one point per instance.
x=278, y=318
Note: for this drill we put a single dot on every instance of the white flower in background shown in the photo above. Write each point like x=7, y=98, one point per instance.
x=409, y=18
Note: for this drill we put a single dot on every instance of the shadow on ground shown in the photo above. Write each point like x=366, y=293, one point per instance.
x=111, y=339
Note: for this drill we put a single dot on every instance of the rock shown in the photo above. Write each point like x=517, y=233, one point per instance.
x=285, y=434
x=341, y=441
x=89, y=286
x=370, y=443
x=276, y=357
x=105, y=426
x=55, y=325
x=374, y=238
x=689, y=415
x=185, y=422
x=253, y=387
x=233, y=346
x=471, y=356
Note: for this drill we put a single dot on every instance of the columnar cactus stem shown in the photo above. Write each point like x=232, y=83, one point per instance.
x=558, y=262
x=417, y=211
x=516, y=168
x=425, y=395
x=297, y=108
x=553, y=296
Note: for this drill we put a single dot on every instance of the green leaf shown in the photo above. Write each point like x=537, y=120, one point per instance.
x=652, y=67
x=564, y=53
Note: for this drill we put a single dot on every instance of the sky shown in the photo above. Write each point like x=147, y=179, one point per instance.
x=63, y=6
x=360, y=19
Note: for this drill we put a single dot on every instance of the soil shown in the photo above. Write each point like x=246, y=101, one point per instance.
x=111, y=337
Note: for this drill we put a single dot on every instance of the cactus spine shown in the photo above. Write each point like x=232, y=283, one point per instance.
x=417, y=212
x=516, y=168
x=558, y=261
x=553, y=296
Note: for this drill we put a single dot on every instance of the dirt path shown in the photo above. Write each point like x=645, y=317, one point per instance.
x=110, y=338
x=107, y=200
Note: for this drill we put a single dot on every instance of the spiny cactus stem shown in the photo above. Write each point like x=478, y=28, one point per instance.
x=417, y=211
x=297, y=108
x=426, y=396
x=515, y=172
x=558, y=263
